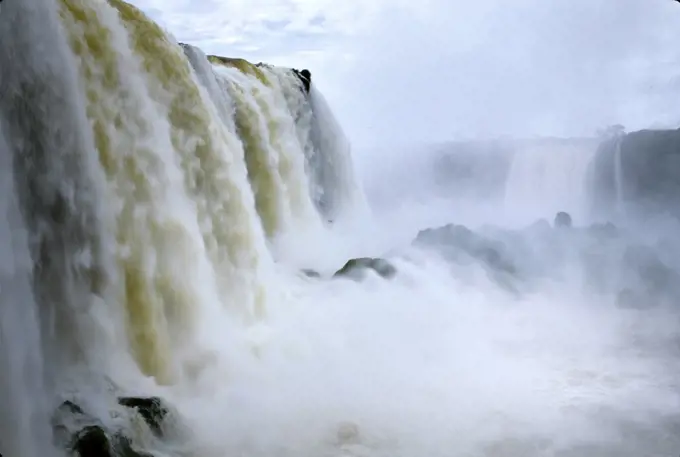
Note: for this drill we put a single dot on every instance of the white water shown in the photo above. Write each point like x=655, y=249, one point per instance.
x=23, y=404
x=191, y=202
x=549, y=176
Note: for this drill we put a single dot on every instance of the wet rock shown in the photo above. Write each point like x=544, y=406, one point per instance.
x=70, y=407
x=355, y=267
x=152, y=409
x=311, y=273
x=563, y=219
x=67, y=418
x=306, y=77
x=94, y=441
x=86, y=436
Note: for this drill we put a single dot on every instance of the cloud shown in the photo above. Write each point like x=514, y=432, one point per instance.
x=397, y=71
x=248, y=28
x=491, y=67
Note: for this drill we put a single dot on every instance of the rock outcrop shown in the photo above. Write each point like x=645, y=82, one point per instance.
x=355, y=268
x=82, y=434
x=151, y=409
x=306, y=78
x=637, y=173
x=609, y=260
x=563, y=219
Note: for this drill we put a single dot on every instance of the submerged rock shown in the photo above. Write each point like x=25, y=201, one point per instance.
x=152, y=409
x=355, y=267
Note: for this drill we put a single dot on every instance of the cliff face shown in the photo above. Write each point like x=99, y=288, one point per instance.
x=638, y=173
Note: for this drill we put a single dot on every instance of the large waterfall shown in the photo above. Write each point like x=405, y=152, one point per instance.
x=154, y=184
x=185, y=271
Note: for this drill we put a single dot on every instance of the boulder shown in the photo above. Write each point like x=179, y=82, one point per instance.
x=94, y=441
x=152, y=409
x=86, y=436
x=563, y=219
x=355, y=267
x=305, y=77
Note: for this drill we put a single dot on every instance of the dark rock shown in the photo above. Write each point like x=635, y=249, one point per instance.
x=355, y=266
x=94, y=441
x=151, y=409
x=67, y=418
x=69, y=406
x=311, y=273
x=86, y=436
x=305, y=77
x=562, y=219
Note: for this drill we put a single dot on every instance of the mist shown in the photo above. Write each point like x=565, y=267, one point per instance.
x=461, y=69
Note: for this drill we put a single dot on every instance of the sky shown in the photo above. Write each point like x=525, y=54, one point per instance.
x=398, y=72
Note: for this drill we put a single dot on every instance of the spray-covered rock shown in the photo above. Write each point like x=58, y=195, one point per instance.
x=354, y=268
x=83, y=434
x=152, y=409
x=563, y=219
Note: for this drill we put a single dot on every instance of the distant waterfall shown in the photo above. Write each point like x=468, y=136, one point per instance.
x=547, y=176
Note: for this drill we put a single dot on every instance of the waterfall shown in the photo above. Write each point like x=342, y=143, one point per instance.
x=23, y=401
x=146, y=187
x=618, y=175
x=547, y=176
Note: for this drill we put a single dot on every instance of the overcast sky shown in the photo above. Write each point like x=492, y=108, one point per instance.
x=430, y=70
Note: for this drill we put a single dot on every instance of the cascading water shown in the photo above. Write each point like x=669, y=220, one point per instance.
x=334, y=172
x=618, y=176
x=158, y=205
x=23, y=400
x=547, y=176
x=150, y=198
